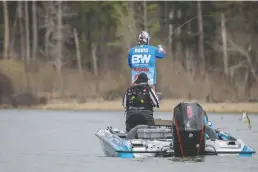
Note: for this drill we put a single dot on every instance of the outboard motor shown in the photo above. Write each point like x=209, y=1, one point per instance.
x=188, y=130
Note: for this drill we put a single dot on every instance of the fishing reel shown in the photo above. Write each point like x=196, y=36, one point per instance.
x=112, y=130
x=109, y=128
x=209, y=123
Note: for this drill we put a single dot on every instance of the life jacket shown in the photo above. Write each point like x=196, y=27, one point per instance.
x=138, y=97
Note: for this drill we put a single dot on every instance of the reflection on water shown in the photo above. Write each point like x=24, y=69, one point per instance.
x=64, y=141
x=188, y=159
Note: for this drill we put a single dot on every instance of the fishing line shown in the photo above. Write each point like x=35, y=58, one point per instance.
x=178, y=27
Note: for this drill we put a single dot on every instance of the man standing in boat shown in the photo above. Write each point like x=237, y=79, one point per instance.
x=142, y=58
x=139, y=100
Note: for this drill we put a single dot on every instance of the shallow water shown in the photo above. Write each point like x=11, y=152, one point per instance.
x=64, y=141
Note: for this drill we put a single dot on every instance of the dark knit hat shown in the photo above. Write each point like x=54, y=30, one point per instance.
x=142, y=78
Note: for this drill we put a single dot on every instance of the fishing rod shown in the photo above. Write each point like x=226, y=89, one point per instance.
x=180, y=26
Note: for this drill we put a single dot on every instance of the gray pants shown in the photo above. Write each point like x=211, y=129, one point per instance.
x=138, y=117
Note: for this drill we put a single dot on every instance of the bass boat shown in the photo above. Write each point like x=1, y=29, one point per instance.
x=186, y=135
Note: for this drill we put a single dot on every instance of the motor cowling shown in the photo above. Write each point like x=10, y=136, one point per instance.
x=188, y=130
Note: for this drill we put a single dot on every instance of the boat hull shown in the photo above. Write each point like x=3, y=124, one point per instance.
x=114, y=146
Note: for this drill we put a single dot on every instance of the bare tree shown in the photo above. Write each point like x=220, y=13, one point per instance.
x=35, y=30
x=21, y=29
x=224, y=43
x=78, y=52
x=47, y=22
x=170, y=32
x=59, y=38
x=94, y=59
x=51, y=19
x=95, y=64
x=145, y=15
x=6, y=30
x=59, y=46
x=13, y=37
x=58, y=33
x=27, y=33
x=200, y=30
x=178, y=53
x=189, y=56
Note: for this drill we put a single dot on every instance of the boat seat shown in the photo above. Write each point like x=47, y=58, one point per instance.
x=132, y=134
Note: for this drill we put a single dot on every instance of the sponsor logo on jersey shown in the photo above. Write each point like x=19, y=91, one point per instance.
x=141, y=58
x=141, y=69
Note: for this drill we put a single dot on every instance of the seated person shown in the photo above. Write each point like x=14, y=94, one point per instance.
x=211, y=133
x=206, y=119
x=139, y=100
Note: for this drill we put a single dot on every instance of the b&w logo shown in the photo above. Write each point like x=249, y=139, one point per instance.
x=140, y=58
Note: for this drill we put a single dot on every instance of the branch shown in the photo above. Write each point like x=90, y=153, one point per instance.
x=240, y=64
x=218, y=47
x=246, y=55
x=239, y=49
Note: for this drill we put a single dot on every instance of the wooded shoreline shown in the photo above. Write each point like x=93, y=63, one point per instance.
x=166, y=106
x=78, y=50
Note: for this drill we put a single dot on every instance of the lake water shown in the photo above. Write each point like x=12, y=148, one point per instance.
x=64, y=141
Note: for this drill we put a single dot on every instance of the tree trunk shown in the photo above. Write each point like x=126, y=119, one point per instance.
x=189, y=55
x=95, y=66
x=21, y=27
x=170, y=33
x=248, y=83
x=200, y=30
x=6, y=30
x=59, y=45
x=27, y=58
x=78, y=52
x=27, y=33
x=13, y=34
x=104, y=50
x=35, y=30
x=165, y=14
x=47, y=34
x=178, y=34
x=224, y=43
x=145, y=15
x=94, y=59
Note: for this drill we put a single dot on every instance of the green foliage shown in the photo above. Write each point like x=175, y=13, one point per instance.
x=113, y=25
x=153, y=18
x=12, y=66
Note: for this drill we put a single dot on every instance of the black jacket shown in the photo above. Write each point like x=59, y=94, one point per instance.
x=152, y=96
